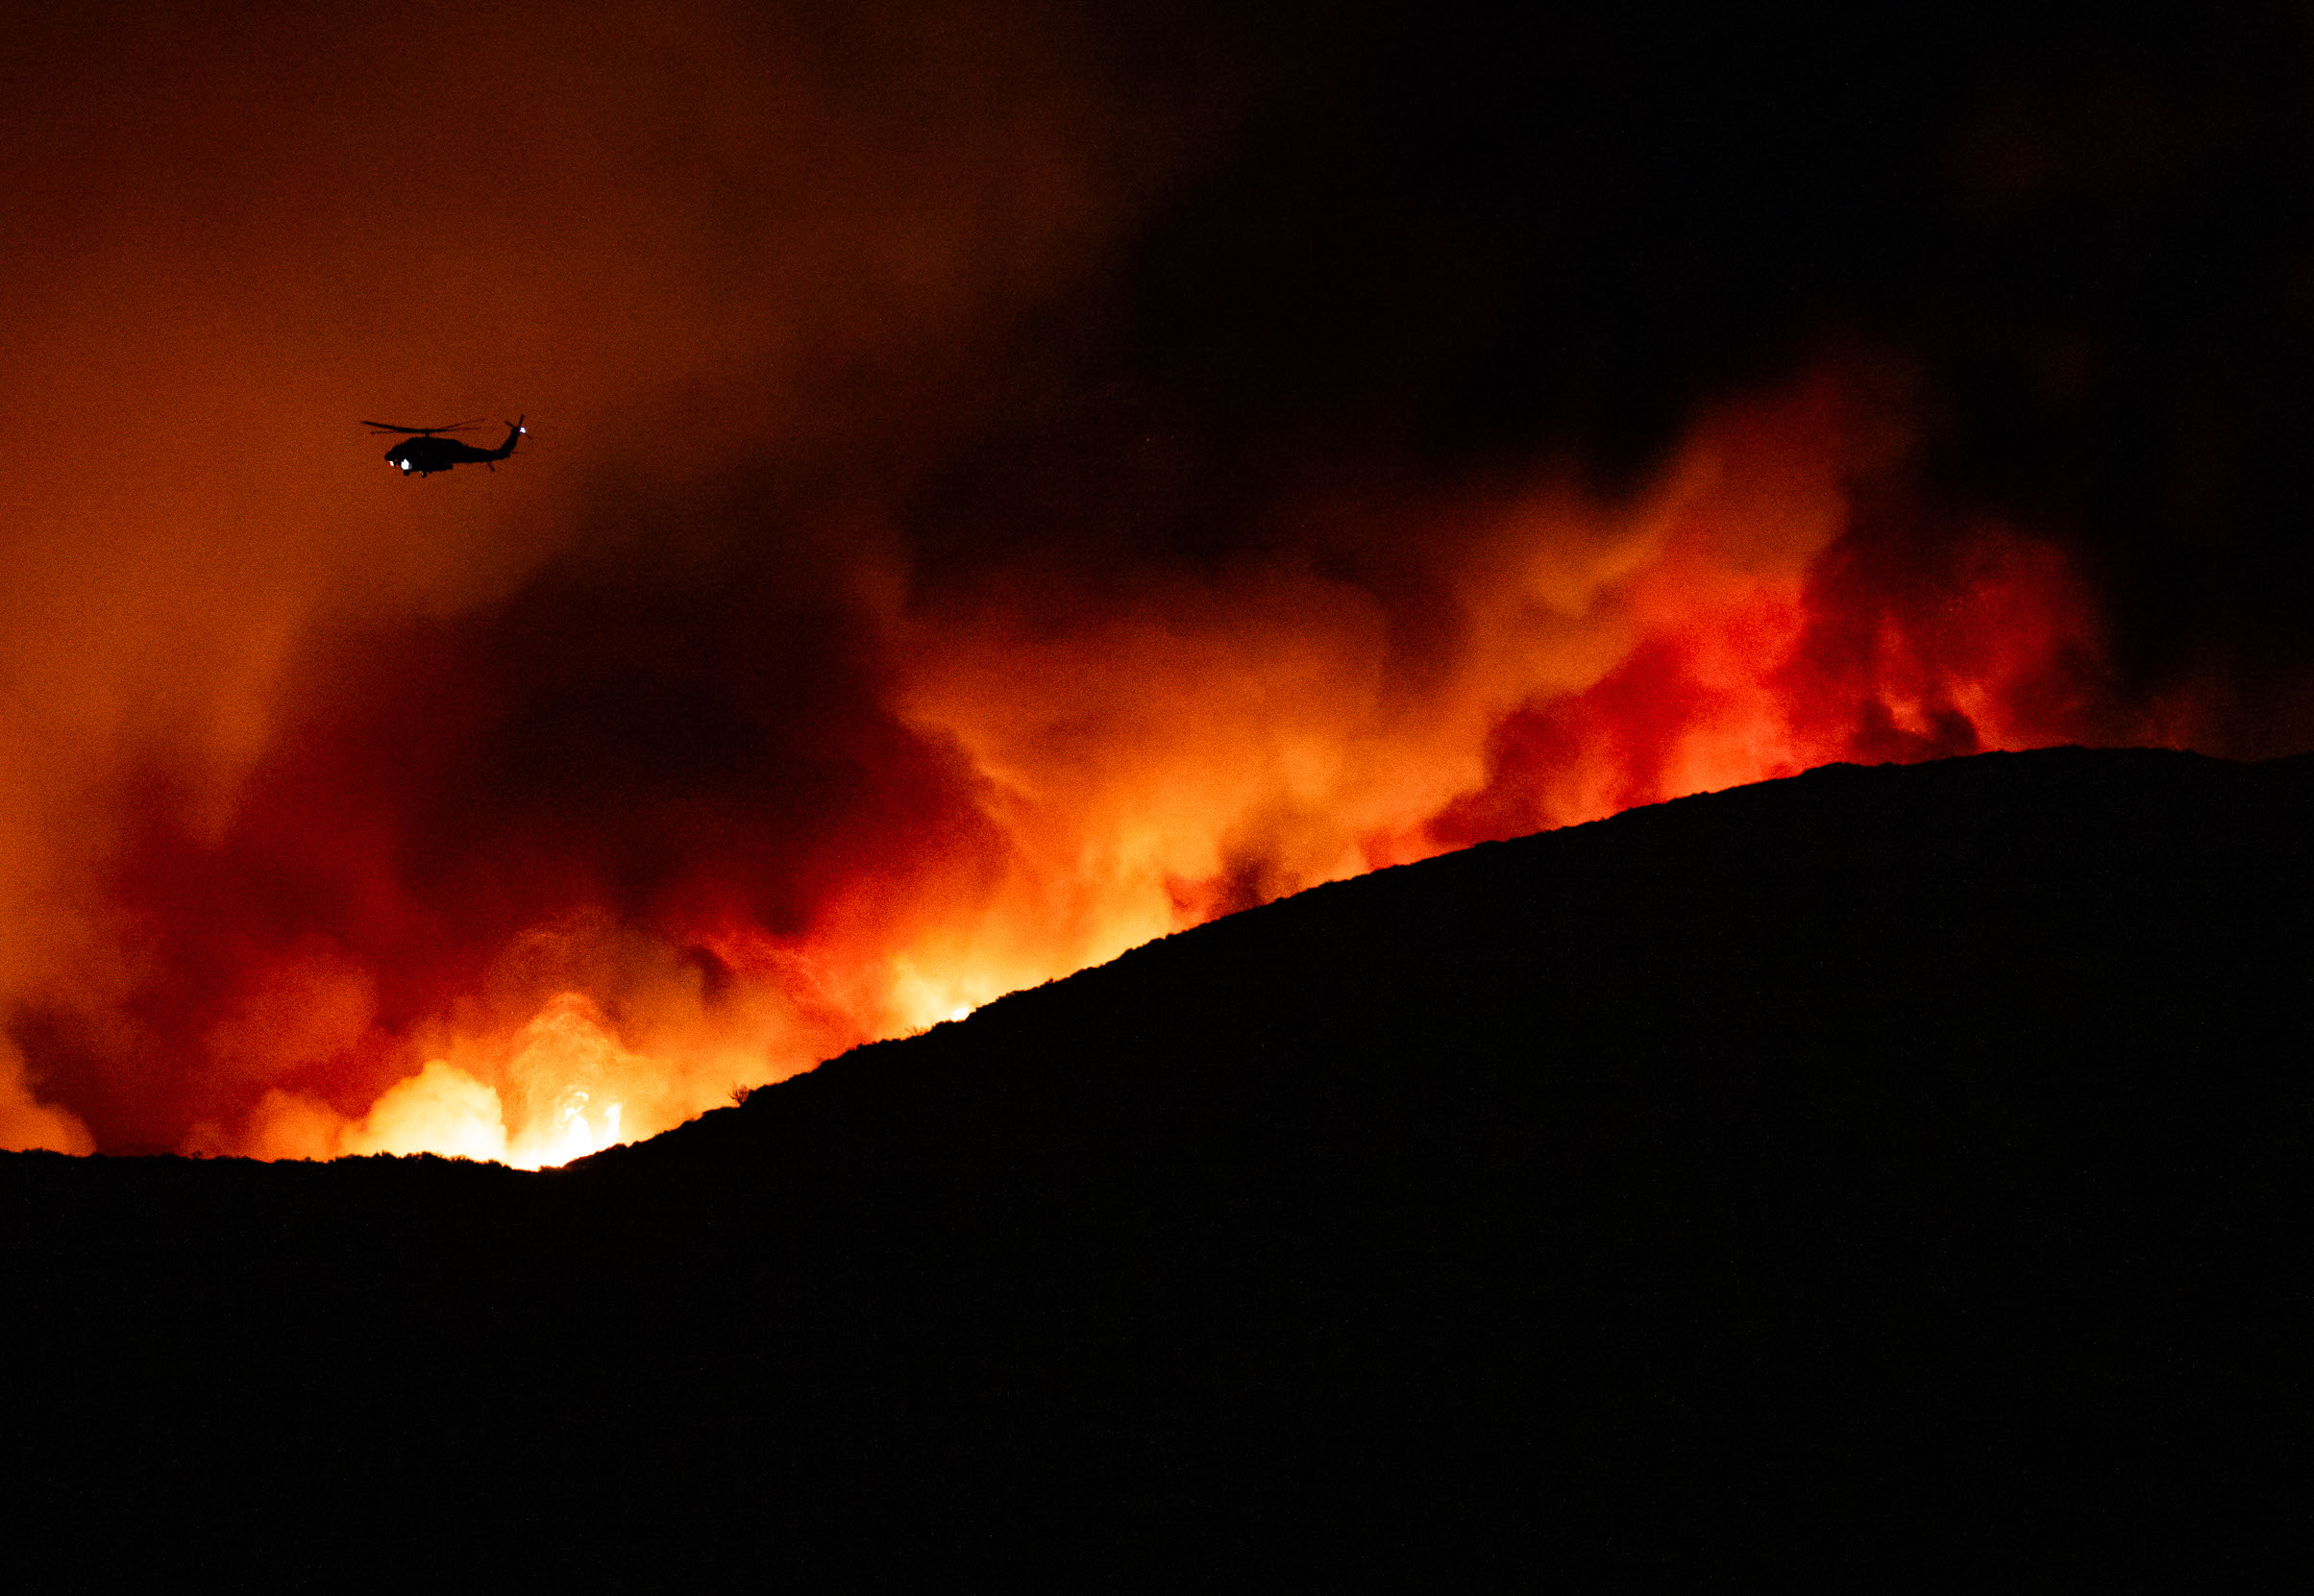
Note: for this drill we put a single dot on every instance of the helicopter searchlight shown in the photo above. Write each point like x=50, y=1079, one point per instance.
x=426, y=450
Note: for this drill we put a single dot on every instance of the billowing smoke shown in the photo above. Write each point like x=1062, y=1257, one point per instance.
x=1006, y=482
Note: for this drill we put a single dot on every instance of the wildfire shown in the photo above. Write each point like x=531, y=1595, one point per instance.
x=561, y=1071
x=1029, y=797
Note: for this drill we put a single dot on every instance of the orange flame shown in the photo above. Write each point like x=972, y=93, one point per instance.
x=1125, y=770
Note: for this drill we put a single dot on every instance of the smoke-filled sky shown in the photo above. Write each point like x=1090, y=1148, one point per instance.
x=1007, y=480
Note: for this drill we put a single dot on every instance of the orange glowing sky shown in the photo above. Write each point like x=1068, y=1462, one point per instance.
x=1005, y=482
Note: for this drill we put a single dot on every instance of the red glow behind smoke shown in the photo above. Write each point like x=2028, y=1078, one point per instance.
x=565, y=874
x=1740, y=678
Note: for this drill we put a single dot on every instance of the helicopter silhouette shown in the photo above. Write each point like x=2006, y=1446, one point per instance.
x=426, y=452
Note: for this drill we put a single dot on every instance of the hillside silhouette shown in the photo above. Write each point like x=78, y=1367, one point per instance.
x=1890, y=1174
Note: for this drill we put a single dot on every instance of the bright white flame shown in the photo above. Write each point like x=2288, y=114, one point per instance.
x=960, y=1010
x=573, y=1137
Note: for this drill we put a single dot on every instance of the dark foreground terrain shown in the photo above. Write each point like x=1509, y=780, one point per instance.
x=1884, y=1177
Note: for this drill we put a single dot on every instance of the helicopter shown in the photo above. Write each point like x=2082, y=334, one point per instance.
x=426, y=452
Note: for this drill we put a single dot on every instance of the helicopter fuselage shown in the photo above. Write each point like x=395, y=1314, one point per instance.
x=425, y=455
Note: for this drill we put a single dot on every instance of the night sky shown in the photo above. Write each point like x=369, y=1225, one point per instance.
x=1005, y=482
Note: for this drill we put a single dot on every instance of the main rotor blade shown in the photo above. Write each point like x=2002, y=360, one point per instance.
x=389, y=426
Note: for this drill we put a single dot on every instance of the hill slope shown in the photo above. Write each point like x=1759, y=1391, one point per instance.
x=1895, y=1172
